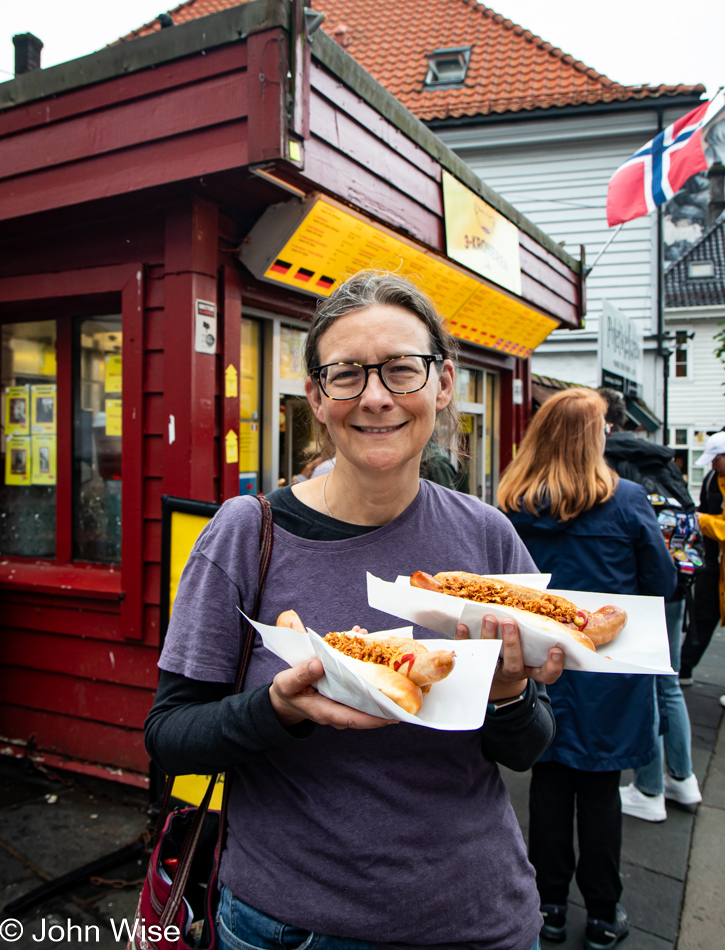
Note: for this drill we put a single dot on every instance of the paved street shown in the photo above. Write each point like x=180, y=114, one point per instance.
x=680, y=861
x=674, y=872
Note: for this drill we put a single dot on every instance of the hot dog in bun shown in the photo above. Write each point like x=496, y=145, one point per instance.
x=401, y=668
x=554, y=613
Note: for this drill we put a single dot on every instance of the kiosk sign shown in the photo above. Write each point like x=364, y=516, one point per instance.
x=621, y=355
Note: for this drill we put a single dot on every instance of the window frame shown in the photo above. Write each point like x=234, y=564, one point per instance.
x=119, y=288
x=462, y=53
x=685, y=349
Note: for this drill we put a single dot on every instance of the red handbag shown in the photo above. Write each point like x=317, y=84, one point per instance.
x=179, y=898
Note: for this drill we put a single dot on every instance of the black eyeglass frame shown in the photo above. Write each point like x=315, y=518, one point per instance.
x=316, y=373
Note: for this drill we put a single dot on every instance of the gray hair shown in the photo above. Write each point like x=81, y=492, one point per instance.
x=371, y=288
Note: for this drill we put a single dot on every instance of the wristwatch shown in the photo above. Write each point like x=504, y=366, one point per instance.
x=509, y=700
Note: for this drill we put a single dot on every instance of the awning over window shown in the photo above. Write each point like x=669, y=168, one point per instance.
x=641, y=414
x=638, y=412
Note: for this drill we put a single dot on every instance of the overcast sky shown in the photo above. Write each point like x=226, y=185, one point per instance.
x=631, y=41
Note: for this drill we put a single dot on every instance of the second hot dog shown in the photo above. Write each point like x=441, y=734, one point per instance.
x=553, y=612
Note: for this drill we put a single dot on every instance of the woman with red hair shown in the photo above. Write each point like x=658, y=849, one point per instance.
x=592, y=531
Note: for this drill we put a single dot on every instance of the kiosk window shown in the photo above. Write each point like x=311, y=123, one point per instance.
x=28, y=443
x=97, y=425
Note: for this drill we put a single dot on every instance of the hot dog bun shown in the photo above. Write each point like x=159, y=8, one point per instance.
x=393, y=685
x=290, y=618
x=601, y=626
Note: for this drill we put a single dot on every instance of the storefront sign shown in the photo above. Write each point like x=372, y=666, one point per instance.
x=312, y=246
x=182, y=521
x=621, y=354
x=205, y=335
x=480, y=238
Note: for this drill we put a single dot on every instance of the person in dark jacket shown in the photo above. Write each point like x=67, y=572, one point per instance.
x=592, y=531
x=707, y=614
x=654, y=465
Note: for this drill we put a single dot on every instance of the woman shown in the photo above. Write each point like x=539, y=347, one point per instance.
x=592, y=531
x=712, y=525
x=653, y=467
x=347, y=832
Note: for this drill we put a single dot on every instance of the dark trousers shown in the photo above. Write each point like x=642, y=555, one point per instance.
x=556, y=792
x=706, y=619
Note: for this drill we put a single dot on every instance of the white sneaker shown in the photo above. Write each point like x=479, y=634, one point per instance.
x=686, y=791
x=638, y=805
x=722, y=700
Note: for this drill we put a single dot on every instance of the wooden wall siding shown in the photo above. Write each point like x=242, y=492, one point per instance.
x=183, y=120
x=70, y=680
x=75, y=739
x=547, y=282
x=360, y=156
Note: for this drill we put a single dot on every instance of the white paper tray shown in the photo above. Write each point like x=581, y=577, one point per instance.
x=457, y=703
x=642, y=647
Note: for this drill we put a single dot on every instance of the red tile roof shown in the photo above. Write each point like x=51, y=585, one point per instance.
x=510, y=69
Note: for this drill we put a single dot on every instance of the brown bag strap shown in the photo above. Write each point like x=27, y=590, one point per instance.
x=266, y=542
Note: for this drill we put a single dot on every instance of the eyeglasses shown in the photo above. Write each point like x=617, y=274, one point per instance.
x=399, y=374
x=607, y=428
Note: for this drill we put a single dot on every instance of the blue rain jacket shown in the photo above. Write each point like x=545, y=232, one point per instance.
x=604, y=721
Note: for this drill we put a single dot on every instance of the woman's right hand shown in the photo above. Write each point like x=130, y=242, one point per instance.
x=294, y=698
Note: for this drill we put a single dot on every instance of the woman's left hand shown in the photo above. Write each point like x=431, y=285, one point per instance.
x=512, y=676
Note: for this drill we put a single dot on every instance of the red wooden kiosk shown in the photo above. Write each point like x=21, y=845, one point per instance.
x=151, y=338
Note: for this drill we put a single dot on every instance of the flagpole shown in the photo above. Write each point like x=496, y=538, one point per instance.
x=662, y=350
x=588, y=270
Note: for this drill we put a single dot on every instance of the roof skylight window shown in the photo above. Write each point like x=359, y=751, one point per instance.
x=447, y=67
x=700, y=269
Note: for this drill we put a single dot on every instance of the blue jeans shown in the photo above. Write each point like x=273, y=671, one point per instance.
x=241, y=927
x=675, y=744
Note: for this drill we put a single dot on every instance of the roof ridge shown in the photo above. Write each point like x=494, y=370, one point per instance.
x=150, y=24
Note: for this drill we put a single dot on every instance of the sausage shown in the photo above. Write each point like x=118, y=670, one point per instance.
x=393, y=684
x=401, y=654
x=602, y=626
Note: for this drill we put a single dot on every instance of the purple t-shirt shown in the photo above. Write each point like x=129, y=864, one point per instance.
x=402, y=836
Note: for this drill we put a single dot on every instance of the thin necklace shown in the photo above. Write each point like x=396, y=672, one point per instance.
x=324, y=499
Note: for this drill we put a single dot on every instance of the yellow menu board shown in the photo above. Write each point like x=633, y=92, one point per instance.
x=17, y=410
x=248, y=446
x=113, y=382
x=44, y=467
x=331, y=244
x=43, y=403
x=17, y=460
x=114, y=412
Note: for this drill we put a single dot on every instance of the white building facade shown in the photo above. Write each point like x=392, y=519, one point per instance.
x=695, y=287
x=554, y=166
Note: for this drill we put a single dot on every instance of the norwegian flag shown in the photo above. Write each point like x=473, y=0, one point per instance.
x=661, y=167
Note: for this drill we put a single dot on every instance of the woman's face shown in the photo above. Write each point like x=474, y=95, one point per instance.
x=380, y=430
x=718, y=463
